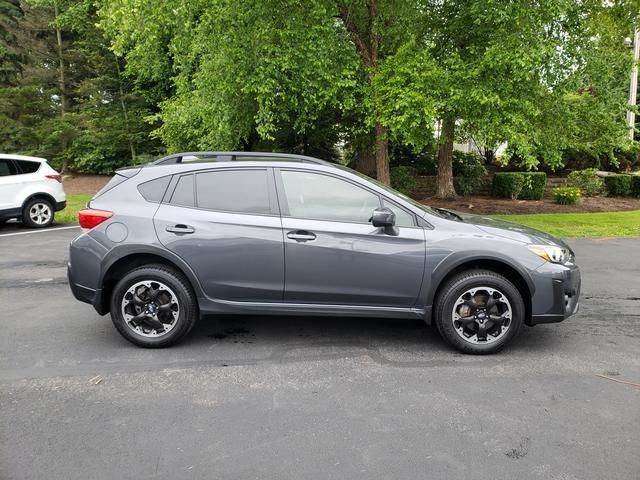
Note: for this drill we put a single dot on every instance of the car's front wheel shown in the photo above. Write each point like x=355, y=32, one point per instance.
x=479, y=311
x=38, y=213
x=153, y=306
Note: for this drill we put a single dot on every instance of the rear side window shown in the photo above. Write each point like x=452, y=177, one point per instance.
x=239, y=191
x=153, y=190
x=7, y=167
x=183, y=193
x=28, y=167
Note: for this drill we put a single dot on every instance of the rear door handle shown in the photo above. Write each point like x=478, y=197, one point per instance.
x=301, y=236
x=180, y=228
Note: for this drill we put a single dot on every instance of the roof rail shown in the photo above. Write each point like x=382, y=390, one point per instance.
x=192, y=157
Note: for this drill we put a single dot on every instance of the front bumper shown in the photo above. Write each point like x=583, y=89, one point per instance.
x=557, y=294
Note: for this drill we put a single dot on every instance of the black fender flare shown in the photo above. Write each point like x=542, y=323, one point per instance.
x=120, y=252
x=456, y=259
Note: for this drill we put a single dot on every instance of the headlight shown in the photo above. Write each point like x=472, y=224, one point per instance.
x=552, y=254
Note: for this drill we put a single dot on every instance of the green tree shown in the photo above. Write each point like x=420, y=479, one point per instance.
x=72, y=103
x=10, y=13
x=543, y=76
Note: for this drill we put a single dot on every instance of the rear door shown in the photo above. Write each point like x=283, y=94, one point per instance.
x=10, y=185
x=225, y=224
x=333, y=255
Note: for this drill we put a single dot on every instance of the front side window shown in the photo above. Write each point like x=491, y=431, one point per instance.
x=322, y=197
x=7, y=167
x=238, y=191
x=403, y=218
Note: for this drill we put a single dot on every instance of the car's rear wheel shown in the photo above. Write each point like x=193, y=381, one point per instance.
x=153, y=306
x=38, y=213
x=479, y=312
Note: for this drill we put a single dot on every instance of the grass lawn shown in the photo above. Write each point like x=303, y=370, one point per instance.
x=75, y=203
x=605, y=224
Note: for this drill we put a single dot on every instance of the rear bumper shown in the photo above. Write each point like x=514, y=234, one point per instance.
x=61, y=205
x=85, y=294
x=564, y=287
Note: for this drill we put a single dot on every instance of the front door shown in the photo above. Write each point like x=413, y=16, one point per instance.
x=333, y=255
x=225, y=224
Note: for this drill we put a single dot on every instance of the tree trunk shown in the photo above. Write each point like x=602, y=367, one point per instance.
x=62, y=84
x=445, y=188
x=366, y=160
x=125, y=114
x=367, y=43
x=382, y=155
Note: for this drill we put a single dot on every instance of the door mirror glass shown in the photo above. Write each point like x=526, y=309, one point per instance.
x=383, y=217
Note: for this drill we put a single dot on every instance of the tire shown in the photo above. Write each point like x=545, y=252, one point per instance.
x=131, y=314
x=38, y=213
x=502, y=321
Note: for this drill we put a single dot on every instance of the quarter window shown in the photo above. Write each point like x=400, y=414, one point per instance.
x=27, y=166
x=322, y=197
x=239, y=191
x=153, y=190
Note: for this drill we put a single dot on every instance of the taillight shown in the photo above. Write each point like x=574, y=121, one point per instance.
x=57, y=178
x=90, y=218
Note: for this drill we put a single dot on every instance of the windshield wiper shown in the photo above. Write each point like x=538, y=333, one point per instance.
x=448, y=213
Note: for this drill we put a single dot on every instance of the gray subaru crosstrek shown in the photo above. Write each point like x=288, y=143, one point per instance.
x=257, y=233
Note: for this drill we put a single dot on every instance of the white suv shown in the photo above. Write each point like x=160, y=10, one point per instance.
x=29, y=190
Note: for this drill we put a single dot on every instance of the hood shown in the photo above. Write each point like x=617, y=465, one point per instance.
x=511, y=230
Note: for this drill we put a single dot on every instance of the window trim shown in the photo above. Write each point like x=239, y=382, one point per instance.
x=284, y=203
x=274, y=210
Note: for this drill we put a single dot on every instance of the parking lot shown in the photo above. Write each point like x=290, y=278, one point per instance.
x=304, y=398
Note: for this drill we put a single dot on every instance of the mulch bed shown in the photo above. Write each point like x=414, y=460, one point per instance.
x=84, y=184
x=90, y=184
x=489, y=205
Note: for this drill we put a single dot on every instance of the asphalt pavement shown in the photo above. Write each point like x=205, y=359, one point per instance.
x=314, y=398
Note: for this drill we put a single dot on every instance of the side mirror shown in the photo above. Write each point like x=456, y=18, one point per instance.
x=383, y=217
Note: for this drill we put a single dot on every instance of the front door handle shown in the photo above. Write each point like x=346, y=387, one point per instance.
x=180, y=228
x=301, y=236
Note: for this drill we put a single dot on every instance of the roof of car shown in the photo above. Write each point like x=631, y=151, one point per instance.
x=22, y=157
x=199, y=157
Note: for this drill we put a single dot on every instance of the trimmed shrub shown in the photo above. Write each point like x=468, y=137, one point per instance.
x=461, y=160
x=635, y=185
x=533, y=188
x=508, y=184
x=567, y=195
x=403, y=179
x=587, y=180
x=618, y=185
x=469, y=172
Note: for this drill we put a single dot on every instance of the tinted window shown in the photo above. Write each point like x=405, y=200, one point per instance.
x=403, y=218
x=27, y=166
x=321, y=197
x=153, y=191
x=183, y=193
x=241, y=191
x=7, y=168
